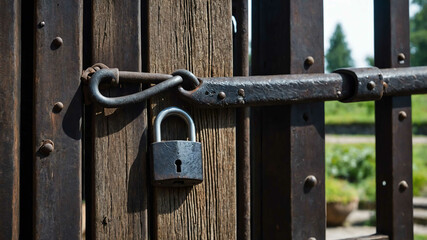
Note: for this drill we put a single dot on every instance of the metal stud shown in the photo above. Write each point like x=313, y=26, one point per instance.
x=403, y=185
x=58, y=107
x=222, y=95
x=309, y=61
x=371, y=85
x=241, y=92
x=47, y=147
x=402, y=115
x=310, y=181
x=401, y=58
x=57, y=42
x=41, y=24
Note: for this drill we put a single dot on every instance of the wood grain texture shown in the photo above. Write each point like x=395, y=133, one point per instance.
x=195, y=35
x=119, y=135
x=10, y=81
x=57, y=176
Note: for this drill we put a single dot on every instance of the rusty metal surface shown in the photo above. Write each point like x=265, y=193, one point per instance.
x=393, y=131
x=346, y=85
x=243, y=164
x=10, y=81
x=58, y=66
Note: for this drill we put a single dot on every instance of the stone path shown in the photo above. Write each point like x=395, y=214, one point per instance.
x=349, y=139
x=357, y=218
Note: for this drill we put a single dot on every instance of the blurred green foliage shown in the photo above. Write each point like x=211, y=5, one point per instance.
x=364, y=112
x=355, y=164
x=338, y=190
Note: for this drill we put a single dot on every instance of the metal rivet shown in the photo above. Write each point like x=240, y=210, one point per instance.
x=58, y=107
x=47, y=147
x=57, y=42
x=241, y=92
x=41, y=24
x=310, y=181
x=402, y=115
x=339, y=93
x=221, y=95
x=403, y=185
x=312, y=238
x=401, y=58
x=371, y=85
x=309, y=61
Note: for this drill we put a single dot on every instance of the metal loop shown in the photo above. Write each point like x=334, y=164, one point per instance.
x=176, y=112
x=107, y=75
x=190, y=80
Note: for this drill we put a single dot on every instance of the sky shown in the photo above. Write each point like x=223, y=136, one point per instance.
x=357, y=20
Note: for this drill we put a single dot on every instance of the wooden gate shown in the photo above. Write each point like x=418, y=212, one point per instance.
x=60, y=150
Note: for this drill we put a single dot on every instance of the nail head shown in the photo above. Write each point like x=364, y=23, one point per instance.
x=58, y=107
x=222, y=95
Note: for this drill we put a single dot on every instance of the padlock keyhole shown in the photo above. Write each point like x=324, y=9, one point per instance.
x=178, y=165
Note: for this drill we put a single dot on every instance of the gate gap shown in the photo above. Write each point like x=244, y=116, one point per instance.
x=349, y=127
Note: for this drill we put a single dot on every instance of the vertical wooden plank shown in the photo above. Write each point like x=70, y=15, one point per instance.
x=10, y=83
x=119, y=135
x=58, y=66
x=195, y=35
x=393, y=131
x=289, y=140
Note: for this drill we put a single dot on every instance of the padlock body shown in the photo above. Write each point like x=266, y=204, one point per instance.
x=176, y=163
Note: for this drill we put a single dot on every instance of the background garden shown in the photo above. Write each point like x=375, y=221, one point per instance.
x=350, y=159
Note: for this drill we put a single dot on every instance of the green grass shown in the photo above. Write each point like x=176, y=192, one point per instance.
x=363, y=112
x=420, y=237
x=355, y=163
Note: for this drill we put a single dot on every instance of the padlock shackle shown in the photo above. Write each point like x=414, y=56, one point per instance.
x=176, y=112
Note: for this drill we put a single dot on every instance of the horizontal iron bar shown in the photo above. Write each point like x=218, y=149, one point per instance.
x=288, y=89
x=346, y=85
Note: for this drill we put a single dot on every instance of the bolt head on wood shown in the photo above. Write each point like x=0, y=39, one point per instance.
x=222, y=95
x=402, y=115
x=309, y=61
x=46, y=148
x=57, y=42
x=41, y=24
x=310, y=181
x=58, y=107
x=401, y=57
x=403, y=185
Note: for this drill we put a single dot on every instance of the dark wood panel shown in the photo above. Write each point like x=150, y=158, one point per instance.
x=119, y=135
x=10, y=81
x=58, y=66
x=195, y=35
x=288, y=141
x=393, y=131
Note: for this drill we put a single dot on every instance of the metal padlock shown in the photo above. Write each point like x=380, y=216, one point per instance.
x=176, y=163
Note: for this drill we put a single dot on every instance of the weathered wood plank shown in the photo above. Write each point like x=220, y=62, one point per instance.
x=393, y=131
x=195, y=35
x=288, y=141
x=58, y=66
x=119, y=135
x=10, y=81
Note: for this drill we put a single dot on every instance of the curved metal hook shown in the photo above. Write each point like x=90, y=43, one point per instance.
x=108, y=75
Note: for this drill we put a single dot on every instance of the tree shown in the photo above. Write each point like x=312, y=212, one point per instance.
x=419, y=35
x=338, y=55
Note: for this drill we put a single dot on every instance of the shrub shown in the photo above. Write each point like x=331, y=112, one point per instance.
x=338, y=190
